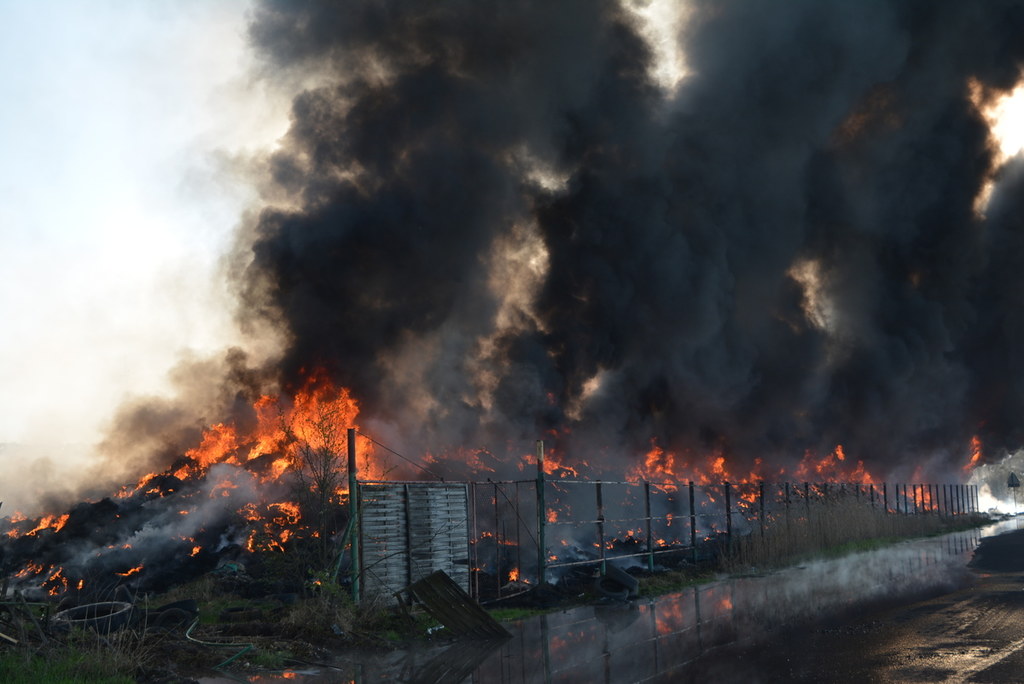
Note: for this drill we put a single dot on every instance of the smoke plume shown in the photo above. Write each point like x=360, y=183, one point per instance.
x=493, y=224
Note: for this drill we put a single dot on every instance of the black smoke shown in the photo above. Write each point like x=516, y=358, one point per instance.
x=825, y=143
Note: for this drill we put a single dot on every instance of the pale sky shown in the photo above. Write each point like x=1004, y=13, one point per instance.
x=118, y=130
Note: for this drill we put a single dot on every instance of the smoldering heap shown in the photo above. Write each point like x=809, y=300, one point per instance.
x=492, y=223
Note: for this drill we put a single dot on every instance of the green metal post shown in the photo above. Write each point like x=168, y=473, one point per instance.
x=542, y=549
x=353, y=512
x=650, y=536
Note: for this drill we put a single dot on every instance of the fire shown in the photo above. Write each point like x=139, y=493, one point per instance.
x=223, y=488
x=513, y=575
x=128, y=573
x=290, y=514
x=976, y=453
x=715, y=467
x=30, y=569
x=49, y=522
x=659, y=462
x=316, y=416
x=832, y=467
x=555, y=464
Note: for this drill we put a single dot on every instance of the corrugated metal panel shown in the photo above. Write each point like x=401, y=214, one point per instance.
x=409, y=530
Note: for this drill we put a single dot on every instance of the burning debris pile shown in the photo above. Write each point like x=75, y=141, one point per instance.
x=235, y=493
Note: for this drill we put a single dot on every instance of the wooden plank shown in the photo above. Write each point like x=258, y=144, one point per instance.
x=450, y=605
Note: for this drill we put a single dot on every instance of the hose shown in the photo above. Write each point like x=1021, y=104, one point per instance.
x=245, y=647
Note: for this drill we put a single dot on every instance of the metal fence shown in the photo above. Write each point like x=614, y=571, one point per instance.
x=523, y=530
x=495, y=536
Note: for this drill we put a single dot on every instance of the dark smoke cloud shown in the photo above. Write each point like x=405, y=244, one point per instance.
x=831, y=144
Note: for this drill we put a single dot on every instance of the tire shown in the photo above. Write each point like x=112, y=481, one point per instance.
x=610, y=589
x=104, y=617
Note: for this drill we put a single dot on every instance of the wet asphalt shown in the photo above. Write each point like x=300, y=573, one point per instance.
x=972, y=634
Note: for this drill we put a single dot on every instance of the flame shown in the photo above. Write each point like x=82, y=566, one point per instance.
x=219, y=444
x=832, y=468
x=513, y=575
x=714, y=468
x=290, y=514
x=976, y=453
x=137, y=569
x=318, y=412
x=53, y=522
x=30, y=568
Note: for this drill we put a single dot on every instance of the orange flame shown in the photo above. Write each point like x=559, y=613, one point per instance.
x=976, y=453
x=53, y=522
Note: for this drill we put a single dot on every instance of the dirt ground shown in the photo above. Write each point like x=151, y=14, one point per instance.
x=975, y=634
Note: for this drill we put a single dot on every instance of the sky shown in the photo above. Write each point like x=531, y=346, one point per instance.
x=123, y=131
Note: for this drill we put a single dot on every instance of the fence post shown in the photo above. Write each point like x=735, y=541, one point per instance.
x=728, y=513
x=600, y=524
x=353, y=512
x=474, y=554
x=497, y=543
x=915, y=499
x=787, y=505
x=760, y=492
x=693, y=525
x=872, y=491
x=650, y=538
x=885, y=496
x=807, y=501
x=542, y=517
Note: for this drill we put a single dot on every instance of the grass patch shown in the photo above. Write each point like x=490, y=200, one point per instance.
x=80, y=656
x=673, y=580
x=60, y=666
x=511, y=614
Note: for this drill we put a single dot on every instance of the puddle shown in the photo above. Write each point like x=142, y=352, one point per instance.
x=660, y=639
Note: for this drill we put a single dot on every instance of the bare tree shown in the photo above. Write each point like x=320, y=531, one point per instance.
x=318, y=460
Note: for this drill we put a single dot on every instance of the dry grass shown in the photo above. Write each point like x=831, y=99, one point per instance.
x=839, y=527
x=202, y=590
